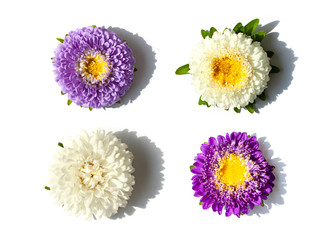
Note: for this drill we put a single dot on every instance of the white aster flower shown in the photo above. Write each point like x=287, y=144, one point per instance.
x=229, y=70
x=92, y=175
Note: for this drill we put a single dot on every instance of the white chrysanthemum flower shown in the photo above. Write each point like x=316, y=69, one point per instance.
x=92, y=175
x=229, y=70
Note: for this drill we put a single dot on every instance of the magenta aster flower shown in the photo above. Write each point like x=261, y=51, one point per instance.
x=232, y=173
x=94, y=67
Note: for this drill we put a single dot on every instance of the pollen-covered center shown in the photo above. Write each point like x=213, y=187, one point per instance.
x=93, y=67
x=233, y=170
x=228, y=72
x=91, y=174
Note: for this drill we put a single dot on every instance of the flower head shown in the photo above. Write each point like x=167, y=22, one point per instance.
x=229, y=69
x=92, y=175
x=232, y=173
x=94, y=67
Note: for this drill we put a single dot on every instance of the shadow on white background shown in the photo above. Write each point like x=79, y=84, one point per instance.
x=283, y=58
x=145, y=64
x=148, y=164
x=276, y=196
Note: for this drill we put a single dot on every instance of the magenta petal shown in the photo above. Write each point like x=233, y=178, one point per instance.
x=243, y=199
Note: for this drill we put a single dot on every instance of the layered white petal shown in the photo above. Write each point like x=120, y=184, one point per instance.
x=235, y=45
x=92, y=175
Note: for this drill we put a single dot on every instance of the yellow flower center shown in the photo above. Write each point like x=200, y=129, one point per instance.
x=233, y=170
x=96, y=66
x=228, y=72
x=93, y=67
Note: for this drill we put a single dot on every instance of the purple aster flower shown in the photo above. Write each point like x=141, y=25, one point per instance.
x=231, y=173
x=94, y=67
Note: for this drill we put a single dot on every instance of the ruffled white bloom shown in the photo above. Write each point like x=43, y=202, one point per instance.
x=229, y=70
x=92, y=175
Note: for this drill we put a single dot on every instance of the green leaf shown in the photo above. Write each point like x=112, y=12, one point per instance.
x=250, y=108
x=274, y=69
x=69, y=102
x=237, y=110
x=47, y=188
x=183, y=70
x=192, y=166
x=212, y=31
x=262, y=203
x=270, y=54
x=60, y=144
x=94, y=26
x=262, y=96
x=60, y=40
x=204, y=33
x=90, y=108
x=237, y=27
x=251, y=26
x=201, y=102
x=242, y=30
x=259, y=36
x=62, y=93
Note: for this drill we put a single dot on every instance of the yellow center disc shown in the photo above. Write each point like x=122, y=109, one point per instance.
x=228, y=72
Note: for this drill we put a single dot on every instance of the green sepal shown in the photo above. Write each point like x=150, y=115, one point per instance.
x=241, y=214
x=274, y=69
x=201, y=102
x=251, y=26
x=47, y=188
x=183, y=70
x=206, y=143
x=242, y=30
x=237, y=27
x=204, y=33
x=192, y=166
x=62, y=93
x=119, y=102
x=248, y=136
x=90, y=108
x=262, y=96
x=60, y=40
x=250, y=108
x=66, y=35
x=270, y=54
x=94, y=26
x=201, y=203
x=262, y=203
x=60, y=144
x=69, y=102
x=212, y=31
x=237, y=110
x=226, y=109
x=259, y=36
x=135, y=70
x=224, y=30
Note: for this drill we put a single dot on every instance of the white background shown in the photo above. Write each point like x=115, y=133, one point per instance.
x=160, y=119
